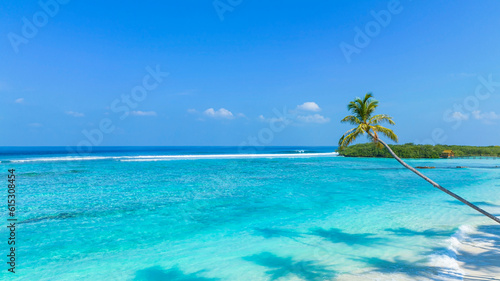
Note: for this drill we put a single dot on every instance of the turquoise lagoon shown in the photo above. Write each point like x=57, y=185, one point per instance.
x=200, y=213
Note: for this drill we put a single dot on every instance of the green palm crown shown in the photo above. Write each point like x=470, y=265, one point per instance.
x=362, y=111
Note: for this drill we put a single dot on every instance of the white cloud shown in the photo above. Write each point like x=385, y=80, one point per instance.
x=221, y=113
x=457, y=115
x=75, y=114
x=192, y=111
x=143, y=113
x=309, y=106
x=19, y=100
x=486, y=116
x=316, y=118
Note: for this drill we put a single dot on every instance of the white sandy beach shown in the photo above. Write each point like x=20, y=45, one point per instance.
x=479, y=254
x=473, y=255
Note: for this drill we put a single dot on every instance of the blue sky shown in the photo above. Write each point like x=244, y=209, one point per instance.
x=245, y=72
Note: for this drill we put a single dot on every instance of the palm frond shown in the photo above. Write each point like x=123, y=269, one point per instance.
x=354, y=107
x=367, y=97
x=341, y=140
x=349, y=137
x=370, y=107
x=380, y=118
x=351, y=119
x=387, y=132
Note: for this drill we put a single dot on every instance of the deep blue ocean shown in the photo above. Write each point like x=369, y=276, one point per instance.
x=232, y=213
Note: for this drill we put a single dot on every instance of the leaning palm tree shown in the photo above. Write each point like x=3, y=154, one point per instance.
x=366, y=122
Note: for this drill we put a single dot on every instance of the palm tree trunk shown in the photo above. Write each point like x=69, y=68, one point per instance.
x=434, y=183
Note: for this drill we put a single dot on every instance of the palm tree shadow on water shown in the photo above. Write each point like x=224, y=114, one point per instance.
x=490, y=232
x=270, y=233
x=157, y=273
x=483, y=261
x=280, y=267
x=477, y=203
x=335, y=235
x=276, y=233
x=429, y=233
x=414, y=270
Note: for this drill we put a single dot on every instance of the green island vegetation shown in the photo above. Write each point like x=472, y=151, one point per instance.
x=410, y=150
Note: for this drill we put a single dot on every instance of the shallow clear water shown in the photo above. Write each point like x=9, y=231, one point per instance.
x=117, y=216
